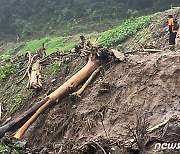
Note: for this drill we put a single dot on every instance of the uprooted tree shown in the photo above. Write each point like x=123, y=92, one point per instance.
x=96, y=55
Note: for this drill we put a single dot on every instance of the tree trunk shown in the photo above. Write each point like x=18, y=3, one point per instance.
x=18, y=122
x=80, y=91
x=59, y=93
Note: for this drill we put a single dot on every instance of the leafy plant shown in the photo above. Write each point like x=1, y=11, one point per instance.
x=5, y=56
x=5, y=149
x=128, y=28
x=5, y=71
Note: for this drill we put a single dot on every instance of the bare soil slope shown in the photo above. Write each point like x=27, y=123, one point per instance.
x=144, y=84
x=122, y=103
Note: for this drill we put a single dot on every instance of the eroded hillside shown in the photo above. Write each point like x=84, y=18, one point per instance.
x=115, y=113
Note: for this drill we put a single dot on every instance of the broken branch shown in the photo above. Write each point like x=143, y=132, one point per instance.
x=152, y=50
x=29, y=65
x=80, y=91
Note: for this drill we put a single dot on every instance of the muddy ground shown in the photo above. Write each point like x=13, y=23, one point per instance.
x=145, y=84
x=122, y=103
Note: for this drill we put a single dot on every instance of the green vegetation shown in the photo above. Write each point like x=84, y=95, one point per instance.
x=109, y=38
x=6, y=70
x=19, y=99
x=12, y=94
x=27, y=17
x=52, y=69
x=52, y=44
x=17, y=95
x=128, y=28
x=5, y=56
x=6, y=149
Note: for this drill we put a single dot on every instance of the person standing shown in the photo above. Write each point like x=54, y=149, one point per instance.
x=172, y=32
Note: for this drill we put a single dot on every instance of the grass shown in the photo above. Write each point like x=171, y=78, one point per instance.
x=52, y=69
x=15, y=96
x=54, y=41
x=52, y=44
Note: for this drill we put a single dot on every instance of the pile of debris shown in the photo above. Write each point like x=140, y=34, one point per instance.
x=97, y=56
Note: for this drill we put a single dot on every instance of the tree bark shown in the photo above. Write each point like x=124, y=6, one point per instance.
x=80, y=91
x=35, y=78
x=59, y=93
x=18, y=122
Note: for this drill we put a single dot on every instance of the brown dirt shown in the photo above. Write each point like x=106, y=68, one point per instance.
x=144, y=83
x=4, y=48
x=130, y=96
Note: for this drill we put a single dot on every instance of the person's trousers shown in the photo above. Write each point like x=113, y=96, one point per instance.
x=172, y=38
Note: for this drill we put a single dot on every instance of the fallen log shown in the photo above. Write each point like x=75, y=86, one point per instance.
x=18, y=122
x=80, y=91
x=63, y=90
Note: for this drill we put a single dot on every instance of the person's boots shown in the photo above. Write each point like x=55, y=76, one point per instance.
x=172, y=47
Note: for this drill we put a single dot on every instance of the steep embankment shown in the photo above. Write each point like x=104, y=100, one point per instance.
x=144, y=84
x=130, y=96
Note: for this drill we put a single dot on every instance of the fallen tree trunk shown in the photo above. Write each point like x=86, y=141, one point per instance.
x=80, y=91
x=67, y=87
x=59, y=93
x=18, y=122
